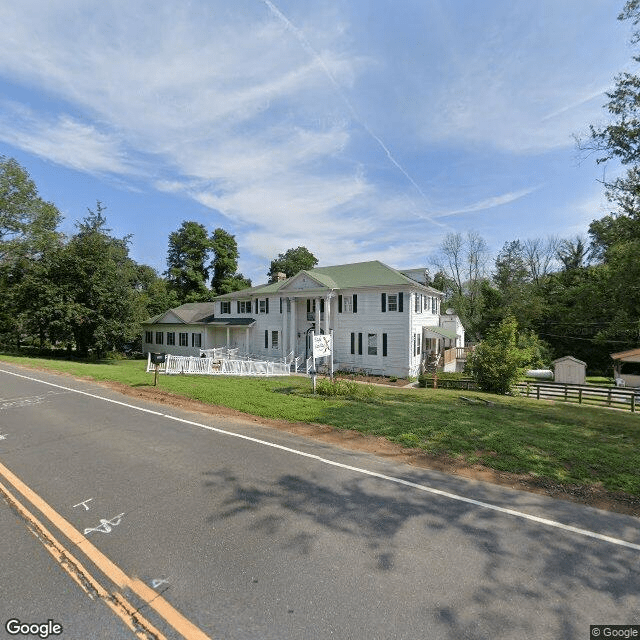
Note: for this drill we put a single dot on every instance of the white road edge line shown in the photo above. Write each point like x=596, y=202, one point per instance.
x=374, y=474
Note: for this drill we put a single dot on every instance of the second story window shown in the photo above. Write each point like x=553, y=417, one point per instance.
x=225, y=306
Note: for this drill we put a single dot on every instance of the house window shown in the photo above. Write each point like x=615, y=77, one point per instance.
x=171, y=338
x=416, y=344
x=196, y=340
x=159, y=337
x=434, y=305
x=244, y=306
x=148, y=337
x=274, y=340
x=392, y=302
x=417, y=303
x=372, y=344
x=183, y=339
x=225, y=306
x=347, y=304
x=264, y=305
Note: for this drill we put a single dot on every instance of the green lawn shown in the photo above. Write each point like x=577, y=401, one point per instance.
x=566, y=443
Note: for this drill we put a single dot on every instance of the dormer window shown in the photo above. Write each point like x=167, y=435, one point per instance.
x=225, y=306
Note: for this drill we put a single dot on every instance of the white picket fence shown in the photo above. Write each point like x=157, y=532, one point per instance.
x=209, y=366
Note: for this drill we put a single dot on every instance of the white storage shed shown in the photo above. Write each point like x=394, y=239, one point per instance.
x=570, y=370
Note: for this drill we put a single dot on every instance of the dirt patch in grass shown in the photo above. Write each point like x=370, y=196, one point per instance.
x=594, y=495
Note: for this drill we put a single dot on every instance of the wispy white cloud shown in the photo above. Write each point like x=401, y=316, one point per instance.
x=325, y=124
x=489, y=203
x=63, y=140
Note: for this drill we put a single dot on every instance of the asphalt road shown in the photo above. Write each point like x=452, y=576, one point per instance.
x=210, y=527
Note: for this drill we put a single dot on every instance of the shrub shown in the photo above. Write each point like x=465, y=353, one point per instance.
x=345, y=388
x=497, y=363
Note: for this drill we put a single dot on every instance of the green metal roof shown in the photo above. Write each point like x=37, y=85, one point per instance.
x=343, y=276
x=189, y=313
x=360, y=274
x=445, y=333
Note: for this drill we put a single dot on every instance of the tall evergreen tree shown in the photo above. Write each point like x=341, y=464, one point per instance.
x=96, y=276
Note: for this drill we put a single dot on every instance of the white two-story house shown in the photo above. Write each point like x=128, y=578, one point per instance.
x=383, y=321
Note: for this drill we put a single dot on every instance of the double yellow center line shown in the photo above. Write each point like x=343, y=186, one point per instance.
x=116, y=601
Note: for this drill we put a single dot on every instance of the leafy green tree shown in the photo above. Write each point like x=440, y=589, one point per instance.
x=519, y=295
x=497, y=362
x=27, y=222
x=623, y=223
x=28, y=230
x=225, y=264
x=187, y=258
x=153, y=293
x=290, y=262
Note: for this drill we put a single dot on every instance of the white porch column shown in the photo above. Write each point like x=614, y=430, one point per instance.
x=327, y=313
x=317, y=323
x=293, y=333
x=284, y=327
x=246, y=340
x=228, y=332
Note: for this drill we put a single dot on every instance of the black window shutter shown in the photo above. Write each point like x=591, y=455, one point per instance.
x=308, y=305
x=267, y=305
x=321, y=305
x=384, y=344
x=360, y=344
x=353, y=343
x=384, y=302
x=256, y=305
x=340, y=306
x=355, y=303
x=237, y=306
x=400, y=297
x=266, y=338
x=280, y=305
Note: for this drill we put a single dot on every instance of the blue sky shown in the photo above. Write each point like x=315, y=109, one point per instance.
x=361, y=129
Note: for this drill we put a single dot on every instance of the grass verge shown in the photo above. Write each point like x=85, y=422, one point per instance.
x=566, y=444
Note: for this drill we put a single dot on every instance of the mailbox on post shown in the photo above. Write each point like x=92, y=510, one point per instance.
x=157, y=359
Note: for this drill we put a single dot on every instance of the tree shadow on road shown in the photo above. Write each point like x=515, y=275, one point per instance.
x=512, y=565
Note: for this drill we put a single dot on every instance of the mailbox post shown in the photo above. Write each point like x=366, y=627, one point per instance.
x=157, y=359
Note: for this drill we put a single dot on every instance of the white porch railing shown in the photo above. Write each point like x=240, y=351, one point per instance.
x=255, y=368
x=209, y=366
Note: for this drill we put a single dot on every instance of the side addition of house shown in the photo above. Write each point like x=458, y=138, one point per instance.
x=384, y=321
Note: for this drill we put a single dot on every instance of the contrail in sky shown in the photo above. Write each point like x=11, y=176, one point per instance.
x=316, y=56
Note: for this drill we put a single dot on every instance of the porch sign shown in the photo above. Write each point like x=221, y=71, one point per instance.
x=322, y=345
x=323, y=348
